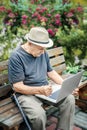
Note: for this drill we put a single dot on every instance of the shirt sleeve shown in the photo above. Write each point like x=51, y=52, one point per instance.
x=15, y=70
x=49, y=67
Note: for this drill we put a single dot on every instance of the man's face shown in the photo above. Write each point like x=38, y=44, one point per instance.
x=37, y=50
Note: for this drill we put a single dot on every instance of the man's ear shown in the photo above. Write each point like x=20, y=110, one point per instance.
x=30, y=44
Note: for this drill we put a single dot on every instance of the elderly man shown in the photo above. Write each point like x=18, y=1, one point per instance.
x=29, y=67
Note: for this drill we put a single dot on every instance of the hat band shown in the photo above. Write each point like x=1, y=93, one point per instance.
x=38, y=41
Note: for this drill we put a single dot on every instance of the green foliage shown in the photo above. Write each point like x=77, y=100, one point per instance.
x=62, y=7
x=75, y=43
x=20, y=6
x=4, y=2
x=9, y=41
x=84, y=27
x=72, y=68
x=6, y=45
x=85, y=73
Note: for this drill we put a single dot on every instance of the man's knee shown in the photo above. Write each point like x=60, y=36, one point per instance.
x=70, y=99
x=38, y=114
x=69, y=103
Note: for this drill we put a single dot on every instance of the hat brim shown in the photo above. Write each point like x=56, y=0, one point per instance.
x=49, y=44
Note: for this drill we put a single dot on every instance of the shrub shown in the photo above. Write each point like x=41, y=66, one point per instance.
x=75, y=44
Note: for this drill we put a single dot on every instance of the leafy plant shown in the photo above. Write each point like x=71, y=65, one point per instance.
x=20, y=5
x=75, y=43
x=72, y=68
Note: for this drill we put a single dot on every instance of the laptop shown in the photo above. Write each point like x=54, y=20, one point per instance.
x=59, y=92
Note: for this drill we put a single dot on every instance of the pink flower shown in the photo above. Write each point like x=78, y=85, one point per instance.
x=24, y=16
x=43, y=19
x=2, y=9
x=24, y=21
x=41, y=11
x=57, y=16
x=35, y=14
x=44, y=9
x=70, y=14
x=39, y=17
x=57, y=22
x=11, y=15
x=79, y=9
x=49, y=15
x=50, y=31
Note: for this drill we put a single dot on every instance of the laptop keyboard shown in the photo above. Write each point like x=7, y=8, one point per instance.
x=54, y=95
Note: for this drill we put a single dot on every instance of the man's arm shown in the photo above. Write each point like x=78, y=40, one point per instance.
x=54, y=76
x=32, y=90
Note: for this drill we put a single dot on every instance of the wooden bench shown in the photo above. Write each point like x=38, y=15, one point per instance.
x=10, y=117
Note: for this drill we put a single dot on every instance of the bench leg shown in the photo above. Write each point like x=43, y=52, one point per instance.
x=14, y=128
x=4, y=128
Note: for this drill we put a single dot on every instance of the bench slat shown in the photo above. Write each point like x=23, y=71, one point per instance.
x=57, y=60
x=55, y=51
x=7, y=107
x=60, y=68
x=5, y=101
x=6, y=115
x=13, y=121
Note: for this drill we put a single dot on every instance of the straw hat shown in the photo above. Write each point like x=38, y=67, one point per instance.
x=39, y=36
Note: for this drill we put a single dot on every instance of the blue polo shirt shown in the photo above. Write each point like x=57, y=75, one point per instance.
x=31, y=70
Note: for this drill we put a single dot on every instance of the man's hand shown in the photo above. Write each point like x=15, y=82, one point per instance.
x=76, y=92
x=46, y=90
